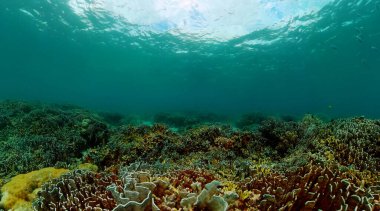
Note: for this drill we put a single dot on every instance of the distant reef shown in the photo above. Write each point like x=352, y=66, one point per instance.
x=63, y=157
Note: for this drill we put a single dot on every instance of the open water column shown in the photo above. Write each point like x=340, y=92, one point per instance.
x=190, y=105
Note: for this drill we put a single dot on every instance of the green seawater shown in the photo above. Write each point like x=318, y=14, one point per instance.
x=325, y=61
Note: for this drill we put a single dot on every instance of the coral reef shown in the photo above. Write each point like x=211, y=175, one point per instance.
x=266, y=163
x=248, y=121
x=21, y=190
x=175, y=120
x=135, y=193
x=189, y=190
x=313, y=187
x=129, y=144
x=206, y=199
x=187, y=119
x=280, y=135
x=354, y=142
x=38, y=136
x=79, y=189
x=132, y=190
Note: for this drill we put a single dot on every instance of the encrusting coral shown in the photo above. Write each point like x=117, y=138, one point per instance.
x=22, y=189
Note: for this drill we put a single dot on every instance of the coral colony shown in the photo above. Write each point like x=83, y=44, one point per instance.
x=61, y=157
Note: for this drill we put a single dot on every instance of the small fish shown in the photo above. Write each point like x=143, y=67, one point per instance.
x=374, y=48
x=334, y=47
x=331, y=38
x=359, y=38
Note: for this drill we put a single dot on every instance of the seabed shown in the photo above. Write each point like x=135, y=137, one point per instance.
x=63, y=157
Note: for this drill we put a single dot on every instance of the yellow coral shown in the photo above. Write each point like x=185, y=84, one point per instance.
x=19, y=193
x=88, y=166
x=245, y=194
x=329, y=140
x=229, y=186
x=260, y=169
x=330, y=156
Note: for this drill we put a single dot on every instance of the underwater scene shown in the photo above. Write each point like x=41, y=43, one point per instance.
x=190, y=105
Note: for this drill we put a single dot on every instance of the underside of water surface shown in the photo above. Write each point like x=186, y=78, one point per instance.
x=190, y=105
x=287, y=57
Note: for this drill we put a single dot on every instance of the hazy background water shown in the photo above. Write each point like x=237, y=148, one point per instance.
x=112, y=56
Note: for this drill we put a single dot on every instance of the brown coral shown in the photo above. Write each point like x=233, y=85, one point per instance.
x=354, y=142
x=313, y=187
x=177, y=185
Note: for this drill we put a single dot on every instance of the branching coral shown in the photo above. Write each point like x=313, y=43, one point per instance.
x=353, y=142
x=37, y=136
x=313, y=187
